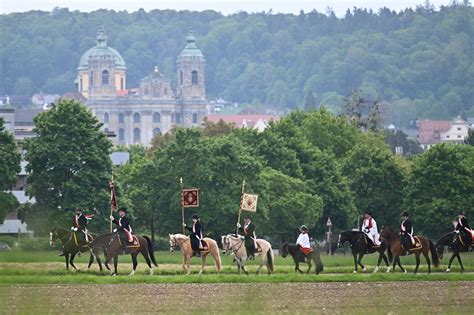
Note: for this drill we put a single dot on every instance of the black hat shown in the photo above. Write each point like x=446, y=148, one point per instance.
x=460, y=212
x=124, y=209
x=303, y=228
x=368, y=212
x=247, y=217
x=78, y=209
x=195, y=216
x=404, y=214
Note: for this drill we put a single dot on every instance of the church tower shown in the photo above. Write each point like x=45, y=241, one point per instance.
x=190, y=66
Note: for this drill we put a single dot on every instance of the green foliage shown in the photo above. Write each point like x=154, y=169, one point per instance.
x=8, y=203
x=418, y=60
x=398, y=138
x=470, y=137
x=9, y=157
x=69, y=164
x=440, y=184
x=310, y=102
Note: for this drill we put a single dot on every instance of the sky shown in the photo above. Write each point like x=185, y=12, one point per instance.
x=224, y=6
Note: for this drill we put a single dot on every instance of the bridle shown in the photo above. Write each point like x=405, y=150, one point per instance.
x=174, y=243
x=232, y=246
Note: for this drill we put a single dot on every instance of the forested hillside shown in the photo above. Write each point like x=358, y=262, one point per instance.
x=420, y=61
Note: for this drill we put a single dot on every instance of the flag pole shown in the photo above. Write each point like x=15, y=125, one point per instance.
x=112, y=195
x=240, y=206
x=182, y=205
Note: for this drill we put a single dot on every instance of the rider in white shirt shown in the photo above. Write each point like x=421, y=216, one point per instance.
x=369, y=227
x=303, y=241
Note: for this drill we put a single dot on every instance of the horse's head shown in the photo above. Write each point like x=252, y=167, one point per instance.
x=385, y=232
x=225, y=243
x=343, y=237
x=285, y=250
x=440, y=250
x=53, y=236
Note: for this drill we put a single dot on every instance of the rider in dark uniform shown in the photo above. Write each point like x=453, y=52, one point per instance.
x=462, y=226
x=196, y=235
x=123, y=226
x=249, y=233
x=406, y=232
x=79, y=224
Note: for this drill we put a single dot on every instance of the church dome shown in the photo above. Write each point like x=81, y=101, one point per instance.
x=191, y=50
x=102, y=50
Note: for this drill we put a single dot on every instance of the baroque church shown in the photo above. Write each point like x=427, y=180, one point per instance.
x=153, y=108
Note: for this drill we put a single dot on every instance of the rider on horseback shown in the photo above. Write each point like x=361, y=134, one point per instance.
x=249, y=233
x=406, y=232
x=80, y=223
x=196, y=235
x=462, y=226
x=123, y=226
x=369, y=228
x=303, y=241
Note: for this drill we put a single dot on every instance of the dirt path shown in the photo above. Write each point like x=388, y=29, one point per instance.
x=292, y=298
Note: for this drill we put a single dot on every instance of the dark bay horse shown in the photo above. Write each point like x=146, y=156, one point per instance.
x=361, y=246
x=112, y=246
x=70, y=244
x=395, y=249
x=458, y=243
x=299, y=257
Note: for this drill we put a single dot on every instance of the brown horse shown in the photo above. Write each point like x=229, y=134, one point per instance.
x=395, y=249
x=185, y=245
x=112, y=246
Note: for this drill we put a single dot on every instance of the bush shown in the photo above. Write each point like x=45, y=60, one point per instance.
x=161, y=243
x=35, y=244
x=11, y=241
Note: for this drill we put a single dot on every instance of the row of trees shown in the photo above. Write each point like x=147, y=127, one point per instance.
x=307, y=167
x=419, y=60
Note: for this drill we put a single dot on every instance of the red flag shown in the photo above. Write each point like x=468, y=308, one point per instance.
x=113, y=197
x=190, y=198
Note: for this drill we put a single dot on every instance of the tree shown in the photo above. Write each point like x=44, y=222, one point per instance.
x=9, y=168
x=69, y=163
x=10, y=165
x=470, y=137
x=440, y=184
x=310, y=102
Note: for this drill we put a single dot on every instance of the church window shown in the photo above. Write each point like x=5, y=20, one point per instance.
x=80, y=85
x=194, y=77
x=136, y=135
x=106, y=117
x=156, y=132
x=121, y=118
x=181, y=77
x=195, y=118
x=136, y=118
x=178, y=118
x=91, y=78
x=122, y=84
x=121, y=135
x=156, y=117
x=105, y=77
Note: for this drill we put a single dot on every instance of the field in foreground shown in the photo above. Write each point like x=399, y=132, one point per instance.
x=256, y=298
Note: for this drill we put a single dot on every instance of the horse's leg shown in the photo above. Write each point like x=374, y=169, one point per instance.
x=309, y=265
x=428, y=261
x=71, y=261
x=460, y=262
x=355, y=260
x=241, y=263
x=450, y=262
x=148, y=261
x=261, y=264
x=186, y=264
x=91, y=260
x=115, y=264
x=203, y=264
x=97, y=258
x=134, y=263
x=297, y=267
x=360, y=262
x=378, y=263
x=66, y=256
x=400, y=265
x=417, y=258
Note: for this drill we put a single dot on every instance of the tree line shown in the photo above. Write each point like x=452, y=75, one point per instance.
x=307, y=167
x=418, y=60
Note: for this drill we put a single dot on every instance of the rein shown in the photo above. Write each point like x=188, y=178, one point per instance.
x=176, y=243
x=233, y=245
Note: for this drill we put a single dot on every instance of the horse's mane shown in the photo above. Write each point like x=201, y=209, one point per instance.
x=447, y=236
x=179, y=235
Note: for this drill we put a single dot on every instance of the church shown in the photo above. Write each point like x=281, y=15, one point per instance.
x=154, y=107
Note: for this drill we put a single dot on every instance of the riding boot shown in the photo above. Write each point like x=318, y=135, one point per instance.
x=197, y=253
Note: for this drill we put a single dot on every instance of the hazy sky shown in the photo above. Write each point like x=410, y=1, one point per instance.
x=224, y=6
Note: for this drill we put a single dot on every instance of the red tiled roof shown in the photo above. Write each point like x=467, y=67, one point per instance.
x=122, y=92
x=430, y=130
x=238, y=120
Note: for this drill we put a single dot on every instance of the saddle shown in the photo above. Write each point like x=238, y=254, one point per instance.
x=134, y=244
x=205, y=247
x=418, y=245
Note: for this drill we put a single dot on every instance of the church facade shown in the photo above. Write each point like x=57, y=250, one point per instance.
x=155, y=106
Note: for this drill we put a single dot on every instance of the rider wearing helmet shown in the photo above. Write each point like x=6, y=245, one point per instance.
x=303, y=241
x=196, y=235
x=79, y=223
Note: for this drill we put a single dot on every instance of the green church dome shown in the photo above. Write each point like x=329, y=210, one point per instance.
x=102, y=50
x=191, y=50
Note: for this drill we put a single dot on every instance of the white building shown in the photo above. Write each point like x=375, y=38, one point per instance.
x=457, y=133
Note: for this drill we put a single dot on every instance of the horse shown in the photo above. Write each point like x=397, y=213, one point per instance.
x=111, y=245
x=395, y=249
x=184, y=243
x=298, y=257
x=457, y=242
x=237, y=245
x=360, y=245
x=70, y=245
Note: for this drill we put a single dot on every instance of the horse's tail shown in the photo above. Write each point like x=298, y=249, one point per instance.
x=389, y=253
x=319, y=263
x=150, y=250
x=217, y=257
x=434, y=254
x=270, y=264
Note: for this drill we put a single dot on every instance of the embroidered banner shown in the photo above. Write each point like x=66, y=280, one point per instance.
x=113, y=197
x=190, y=198
x=249, y=202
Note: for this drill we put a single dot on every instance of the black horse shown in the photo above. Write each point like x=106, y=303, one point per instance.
x=458, y=243
x=299, y=257
x=360, y=244
x=71, y=245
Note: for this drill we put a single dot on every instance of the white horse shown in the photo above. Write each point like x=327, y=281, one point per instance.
x=236, y=244
x=184, y=243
